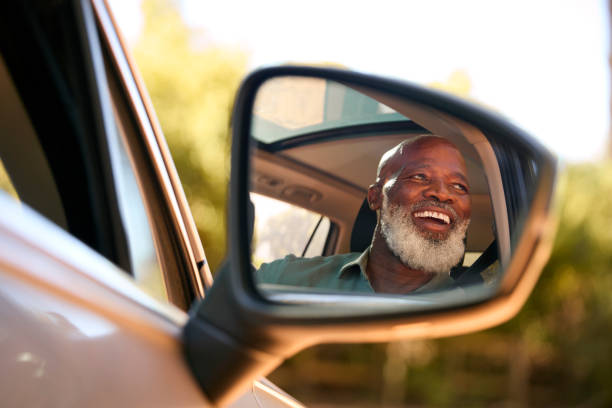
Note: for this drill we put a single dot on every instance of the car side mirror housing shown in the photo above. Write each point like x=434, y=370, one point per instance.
x=436, y=211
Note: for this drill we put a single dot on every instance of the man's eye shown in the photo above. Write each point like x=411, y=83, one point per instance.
x=460, y=187
x=418, y=177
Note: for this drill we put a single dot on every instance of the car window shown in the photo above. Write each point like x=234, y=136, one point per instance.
x=45, y=178
x=145, y=265
x=275, y=121
x=24, y=171
x=281, y=229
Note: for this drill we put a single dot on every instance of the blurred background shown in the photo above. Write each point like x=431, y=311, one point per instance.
x=544, y=65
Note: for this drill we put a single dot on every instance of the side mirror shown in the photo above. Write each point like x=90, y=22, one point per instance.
x=382, y=210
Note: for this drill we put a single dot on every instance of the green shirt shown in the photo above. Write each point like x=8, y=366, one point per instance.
x=342, y=272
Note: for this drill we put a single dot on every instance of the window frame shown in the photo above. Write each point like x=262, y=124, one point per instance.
x=177, y=242
x=79, y=88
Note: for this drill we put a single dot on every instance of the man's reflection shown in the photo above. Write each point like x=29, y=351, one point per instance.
x=421, y=197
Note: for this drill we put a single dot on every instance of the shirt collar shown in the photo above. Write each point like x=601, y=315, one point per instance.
x=358, y=264
x=438, y=282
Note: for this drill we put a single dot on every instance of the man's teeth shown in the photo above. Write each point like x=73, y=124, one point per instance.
x=433, y=214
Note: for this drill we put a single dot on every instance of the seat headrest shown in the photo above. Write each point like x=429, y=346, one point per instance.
x=363, y=228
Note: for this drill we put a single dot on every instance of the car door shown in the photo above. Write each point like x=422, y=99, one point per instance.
x=99, y=258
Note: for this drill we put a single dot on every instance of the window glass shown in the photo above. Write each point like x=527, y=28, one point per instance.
x=145, y=265
x=281, y=229
x=51, y=156
x=470, y=258
x=319, y=238
x=24, y=171
x=291, y=106
x=22, y=154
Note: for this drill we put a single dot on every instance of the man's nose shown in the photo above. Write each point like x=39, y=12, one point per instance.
x=438, y=191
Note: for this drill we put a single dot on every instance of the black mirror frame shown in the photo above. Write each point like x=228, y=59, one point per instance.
x=249, y=335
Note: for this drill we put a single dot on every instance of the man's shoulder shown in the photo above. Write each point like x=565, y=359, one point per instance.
x=317, y=261
x=292, y=269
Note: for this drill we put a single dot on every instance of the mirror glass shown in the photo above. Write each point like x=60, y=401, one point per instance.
x=360, y=192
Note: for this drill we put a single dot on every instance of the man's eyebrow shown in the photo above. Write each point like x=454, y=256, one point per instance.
x=421, y=165
x=461, y=176
x=415, y=166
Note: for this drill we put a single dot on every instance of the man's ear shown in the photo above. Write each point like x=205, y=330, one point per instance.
x=374, y=197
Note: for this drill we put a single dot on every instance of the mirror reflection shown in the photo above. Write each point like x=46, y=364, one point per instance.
x=357, y=191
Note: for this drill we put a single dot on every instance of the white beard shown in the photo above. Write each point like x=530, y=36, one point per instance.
x=415, y=250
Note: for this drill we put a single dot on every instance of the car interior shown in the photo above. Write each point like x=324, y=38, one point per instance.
x=329, y=172
x=327, y=168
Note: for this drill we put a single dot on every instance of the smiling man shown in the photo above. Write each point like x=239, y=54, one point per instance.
x=423, y=205
x=421, y=195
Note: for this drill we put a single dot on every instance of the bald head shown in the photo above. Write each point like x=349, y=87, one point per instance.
x=392, y=160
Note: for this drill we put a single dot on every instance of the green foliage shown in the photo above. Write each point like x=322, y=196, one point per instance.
x=556, y=352
x=192, y=88
x=569, y=313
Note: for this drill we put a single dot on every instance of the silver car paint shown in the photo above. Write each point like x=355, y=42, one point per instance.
x=76, y=331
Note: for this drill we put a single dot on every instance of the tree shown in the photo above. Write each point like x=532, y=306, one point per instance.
x=192, y=88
